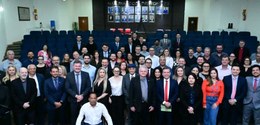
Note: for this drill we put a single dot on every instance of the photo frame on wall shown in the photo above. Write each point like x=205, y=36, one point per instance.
x=110, y=18
x=151, y=18
x=24, y=13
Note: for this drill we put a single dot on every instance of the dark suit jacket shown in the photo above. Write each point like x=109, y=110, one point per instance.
x=126, y=86
x=175, y=46
x=173, y=94
x=71, y=87
x=246, y=53
x=135, y=93
x=20, y=97
x=114, y=48
x=127, y=48
x=240, y=91
x=75, y=47
x=52, y=94
x=185, y=96
x=102, y=56
x=41, y=79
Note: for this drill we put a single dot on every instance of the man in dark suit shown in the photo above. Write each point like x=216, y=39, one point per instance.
x=115, y=46
x=148, y=64
x=126, y=84
x=30, y=59
x=241, y=52
x=40, y=112
x=79, y=45
x=252, y=98
x=235, y=91
x=130, y=47
x=178, y=44
x=167, y=93
x=142, y=98
x=23, y=93
x=54, y=89
x=105, y=53
x=78, y=86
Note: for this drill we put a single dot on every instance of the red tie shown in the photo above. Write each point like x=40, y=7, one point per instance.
x=240, y=54
x=255, y=84
x=166, y=91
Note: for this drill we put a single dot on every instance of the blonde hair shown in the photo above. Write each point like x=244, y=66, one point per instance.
x=175, y=76
x=7, y=75
x=64, y=71
x=104, y=79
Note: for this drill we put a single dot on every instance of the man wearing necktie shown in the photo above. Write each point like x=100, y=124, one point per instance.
x=252, y=98
x=142, y=98
x=54, y=89
x=167, y=92
x=78, y=86
x=23, y=93
x=235, y=91
x=105, y=51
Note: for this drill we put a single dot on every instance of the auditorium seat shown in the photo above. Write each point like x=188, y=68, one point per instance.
x=54, y=33
x=35, y=33
x=206, y=34
x=63, y=33
x=215, y=33
x=46, y=33
x=71, y=33
x=244, y=33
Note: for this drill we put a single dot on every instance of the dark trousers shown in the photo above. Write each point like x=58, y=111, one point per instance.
x=165, y=118
x=40, y=111
x=56, y=116
x=142, y=117
x=25, y=116
x=230, y=114
x=117, y=110
x=74, y=112
x=188, y=119
x=5, y=120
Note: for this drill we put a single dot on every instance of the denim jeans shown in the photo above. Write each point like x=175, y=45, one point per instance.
x=210, y=114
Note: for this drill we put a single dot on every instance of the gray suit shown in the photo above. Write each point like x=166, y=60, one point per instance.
x=125, y=86
x=165, y=43
x=252, y=102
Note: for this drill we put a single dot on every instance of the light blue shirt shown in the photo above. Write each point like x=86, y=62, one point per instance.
x=91, y=70
x=4, y=65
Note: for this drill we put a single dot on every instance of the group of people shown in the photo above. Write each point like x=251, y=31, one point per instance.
x=126, y=84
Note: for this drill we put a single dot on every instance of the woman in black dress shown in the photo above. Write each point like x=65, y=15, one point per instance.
x=199, y=80
x=101, y=86
x=11, y=74
x=41, y=66
x=5, y=116
x=66, y=61
x=190, y=99
x=246, y=68
x=158, y=73
x=96, y=60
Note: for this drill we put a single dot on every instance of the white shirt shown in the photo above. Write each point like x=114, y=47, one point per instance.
x=116, y=86
x=37, y=84
x=223, y=72
x=112, y=63
x=255, y=63
x=91, y=70
x=155, y=60
x=93, y=114
x=169, y=62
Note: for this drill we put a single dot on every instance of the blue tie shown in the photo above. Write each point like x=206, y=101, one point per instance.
x=77, y=83
x=56, y=83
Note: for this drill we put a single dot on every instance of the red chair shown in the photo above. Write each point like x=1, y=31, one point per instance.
x=121, y=30
x=128, y=31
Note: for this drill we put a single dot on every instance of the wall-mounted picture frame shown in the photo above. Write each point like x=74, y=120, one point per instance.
x=24, y=13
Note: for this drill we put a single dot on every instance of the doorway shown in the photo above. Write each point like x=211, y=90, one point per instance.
x=193, y=24
x=83, y=23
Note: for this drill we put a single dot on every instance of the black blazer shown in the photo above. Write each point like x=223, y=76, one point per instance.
x=135, y=93
x=185, y=96
x=75, y=47
x=127, y=48
x=246, y=53
x=52, y=94
x=19, y=96
x=240, y=91
x=71, y=87
x=173, y=94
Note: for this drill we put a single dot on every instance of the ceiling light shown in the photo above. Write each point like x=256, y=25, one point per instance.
x=150, y=2
x=115, y=3
x=127, y=3
x=1, y=9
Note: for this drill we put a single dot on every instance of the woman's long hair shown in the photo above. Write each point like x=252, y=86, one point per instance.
x=209, y=79
x=175, y=76
x=96, y=81
x=7, y=75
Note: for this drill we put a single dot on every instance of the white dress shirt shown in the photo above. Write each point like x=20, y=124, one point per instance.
x=155, y=60
x=223, y=72
x=93, y=114
x=169, y=62
x=116, y=86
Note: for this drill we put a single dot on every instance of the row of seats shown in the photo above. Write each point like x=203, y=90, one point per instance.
x=61, y=42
